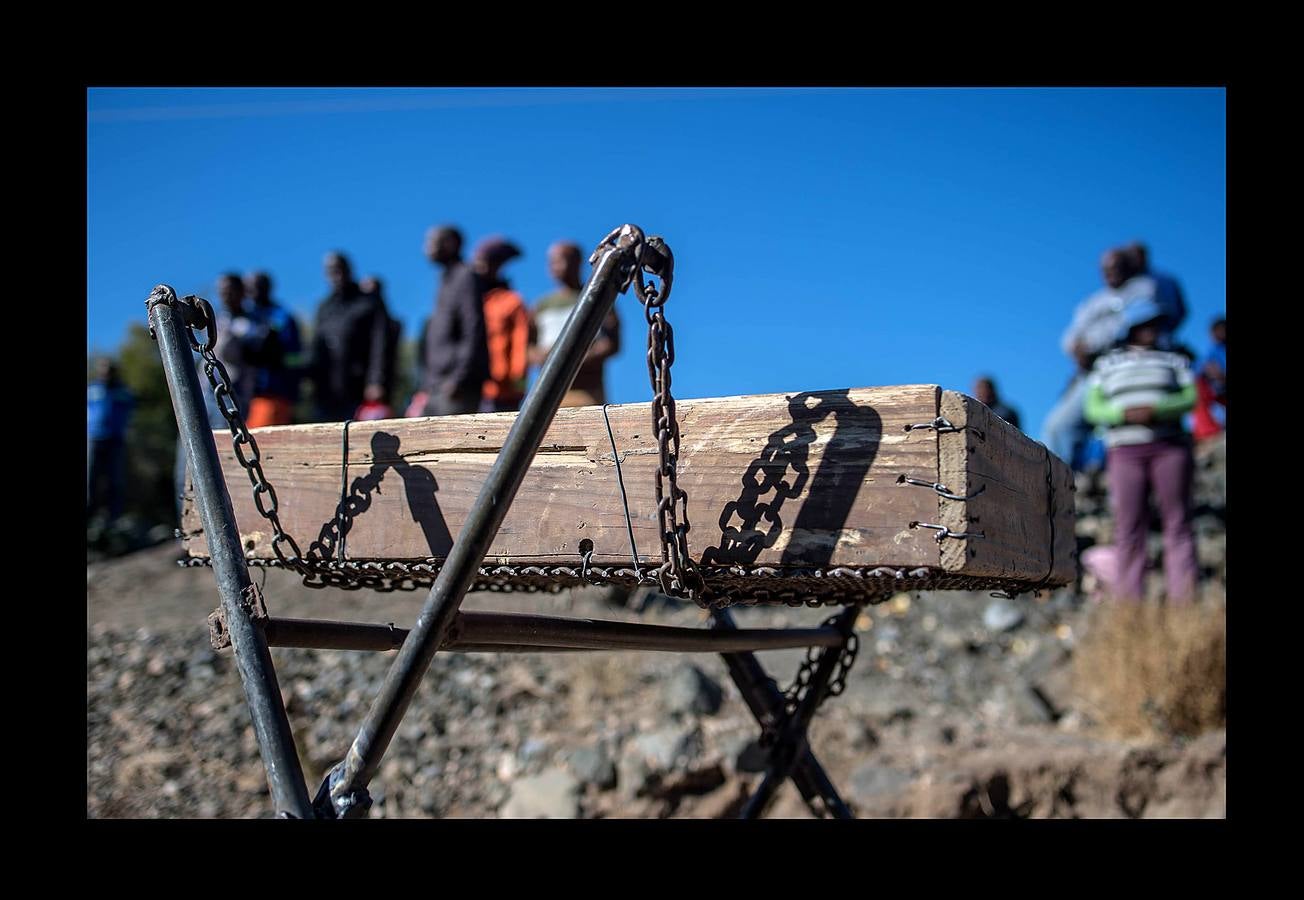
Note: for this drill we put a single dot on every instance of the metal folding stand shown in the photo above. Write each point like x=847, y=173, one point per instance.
x=242, y=620
x=170, y=321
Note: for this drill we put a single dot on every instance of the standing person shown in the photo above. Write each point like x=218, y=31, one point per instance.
x=506, y=325
x=551, y=313
x=381, y=408
x=1214, y=365
x=984, y=391
x=348, y=345
x=1167, y=292
x=235, y=343
x=1093, y=331
x=1211, y=386
x=275, y=351
x=1139, y=394
x=235, y=350
x=108, y=412
x=457, y=358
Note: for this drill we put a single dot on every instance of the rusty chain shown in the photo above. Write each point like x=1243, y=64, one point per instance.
x=677, y=574
x=198, y=315
x=725, y=586
x=800, y=686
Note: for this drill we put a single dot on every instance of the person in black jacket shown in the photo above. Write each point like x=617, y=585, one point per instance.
x=372, y=284
x=984, y=391
x=348, y=345
x=457, y=357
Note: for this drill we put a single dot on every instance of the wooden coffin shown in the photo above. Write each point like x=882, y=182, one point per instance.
x=777, y=483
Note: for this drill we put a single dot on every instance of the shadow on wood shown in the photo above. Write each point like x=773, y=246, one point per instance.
x=418, y=484
x=781, y=473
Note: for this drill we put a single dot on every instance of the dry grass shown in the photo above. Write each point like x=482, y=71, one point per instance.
x=1152, y=670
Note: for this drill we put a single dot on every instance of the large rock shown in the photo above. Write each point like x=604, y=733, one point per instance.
x=690, y=691
x=1002, y=615
x=592, y=765
x=662, y=749
x=1195, y=786
x=553, y=794
x=876, y=789
x=649, y=757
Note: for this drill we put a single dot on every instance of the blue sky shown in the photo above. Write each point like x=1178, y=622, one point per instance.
x=823, y=238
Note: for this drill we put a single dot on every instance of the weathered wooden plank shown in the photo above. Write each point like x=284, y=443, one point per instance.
x=1013, y=509
x=808, y=479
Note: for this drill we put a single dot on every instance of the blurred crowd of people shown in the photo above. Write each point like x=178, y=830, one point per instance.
x=473, y=352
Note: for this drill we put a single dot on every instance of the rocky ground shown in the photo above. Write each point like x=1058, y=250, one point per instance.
x=959, y=705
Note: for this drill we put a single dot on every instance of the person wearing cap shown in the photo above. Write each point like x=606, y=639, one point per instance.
x=1139, y=394
x=506, y=326
x=457, y=357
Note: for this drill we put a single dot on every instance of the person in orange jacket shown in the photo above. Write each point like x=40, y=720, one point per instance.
x=506, y=326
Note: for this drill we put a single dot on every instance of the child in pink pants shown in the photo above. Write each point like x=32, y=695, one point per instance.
x=1140, y=394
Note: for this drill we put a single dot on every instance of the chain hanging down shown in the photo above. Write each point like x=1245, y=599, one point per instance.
x=198, y=315
x=677, y=575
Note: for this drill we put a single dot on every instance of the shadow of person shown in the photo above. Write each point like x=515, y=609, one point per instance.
x=419, y=486
x=781, y=472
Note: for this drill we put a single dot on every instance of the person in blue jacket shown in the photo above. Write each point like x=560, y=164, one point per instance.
x=108, y=412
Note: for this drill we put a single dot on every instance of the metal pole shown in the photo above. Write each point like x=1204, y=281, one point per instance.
x=253, y=661
x=764, y=699
x=544, y=633
x=343, y=793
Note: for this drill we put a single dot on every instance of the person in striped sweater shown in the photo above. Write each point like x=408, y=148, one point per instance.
x=1140, y=394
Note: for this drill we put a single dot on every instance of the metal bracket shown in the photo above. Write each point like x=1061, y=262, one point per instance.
x=218, y=636
x=251, y=602
x=943, y=532
x=942, y=425
x=629, y=238
x=329, y=805
x=941, y=489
